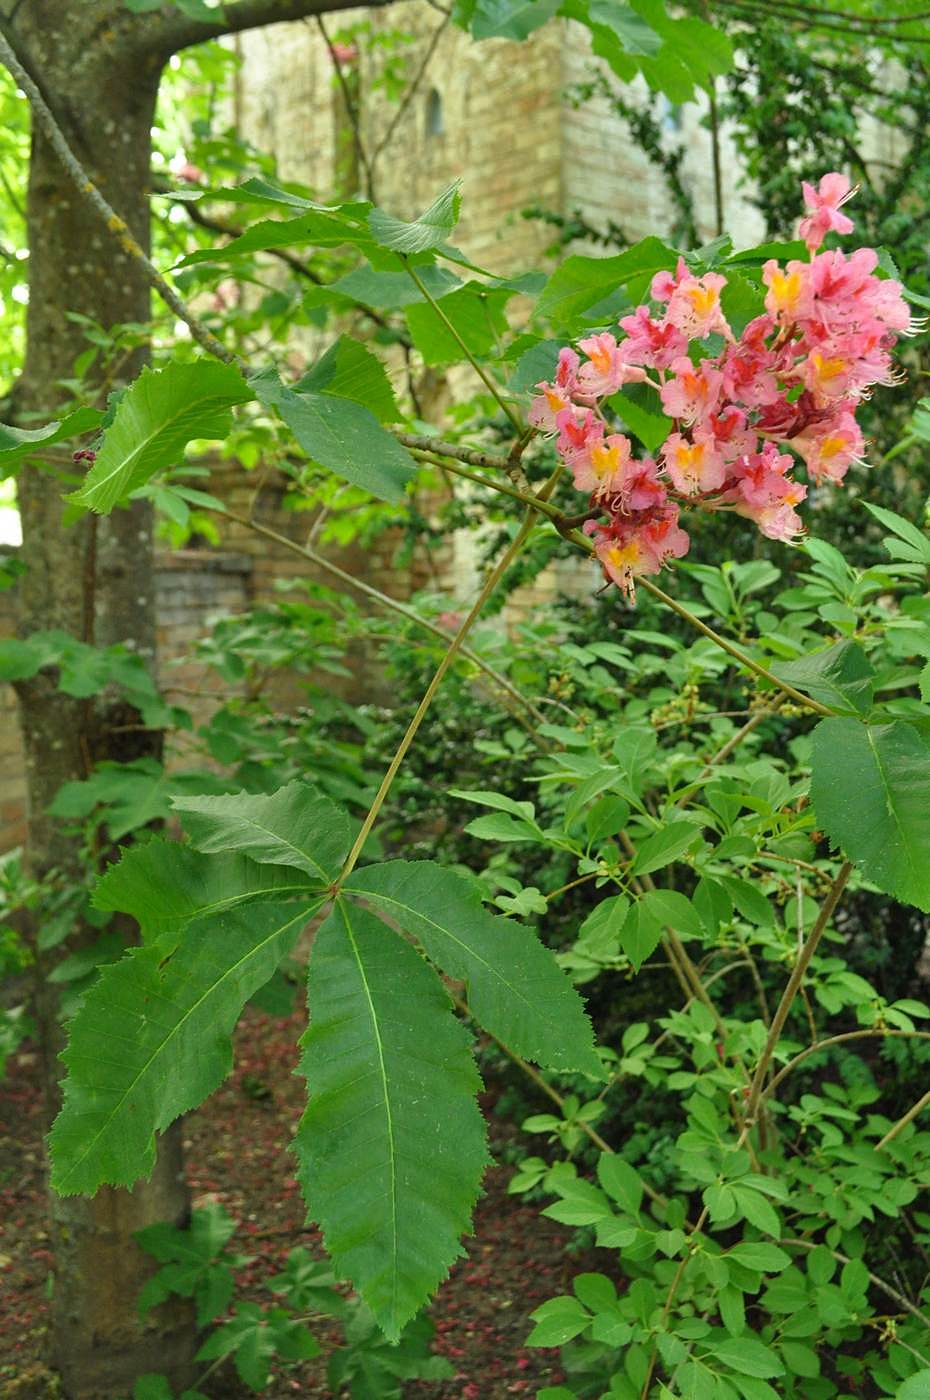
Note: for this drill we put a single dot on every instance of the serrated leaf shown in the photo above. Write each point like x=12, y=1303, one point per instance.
x=323, y=229
x=350, y=371
x=870, y=786
x=164, y=884
x=341, y=435
x=516, y=990
x=510, y=19
x=476, y=312
x=158, y=415
x=390, y=291
x=17, y=443
x=154, y=1037
x=298, y=825
x=431, y=229
x=392, y=1144
x=581, y=282
x=840, y=677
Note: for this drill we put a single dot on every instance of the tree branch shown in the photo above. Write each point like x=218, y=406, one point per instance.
x=176, y=31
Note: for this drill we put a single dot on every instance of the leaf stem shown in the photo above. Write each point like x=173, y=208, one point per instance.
x=493, y=579
x=736, y=652
x=792, y=989
x=392, y=605
x=482, y=374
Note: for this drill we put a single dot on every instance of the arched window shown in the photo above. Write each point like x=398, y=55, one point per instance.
x=435, y=126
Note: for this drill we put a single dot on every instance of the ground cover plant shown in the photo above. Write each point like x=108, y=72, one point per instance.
x=715, y=796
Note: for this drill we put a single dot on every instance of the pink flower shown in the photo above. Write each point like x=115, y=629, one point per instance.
x=829, y=447
x=650, y=342
x=602, y=468
x=823, y=205
x=343, y=54
x=789, y=295
x=730, y=432
x=629, y=547
x=554, y=398
x=693, y=392
x=694, y=306
x=606, y=370
x=579, y=429
x=694, y=467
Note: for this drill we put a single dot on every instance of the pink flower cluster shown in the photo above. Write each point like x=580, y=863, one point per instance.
x=744, y=415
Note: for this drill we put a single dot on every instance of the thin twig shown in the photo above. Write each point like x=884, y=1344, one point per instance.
x=412, y=87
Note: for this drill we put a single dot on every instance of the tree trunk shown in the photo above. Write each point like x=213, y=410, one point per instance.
x=93, y=579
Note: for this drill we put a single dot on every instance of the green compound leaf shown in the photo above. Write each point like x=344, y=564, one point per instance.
x=341, y=435
x=870, y=786
x=516, y=990
x=159, y=414
x=430, y=230
x=154, y=1037
x=164, y=885
x=840, y=677
x=392, y=1145
x=297, y=826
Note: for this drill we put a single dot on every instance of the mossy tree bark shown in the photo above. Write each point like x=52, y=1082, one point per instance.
x=98, y=67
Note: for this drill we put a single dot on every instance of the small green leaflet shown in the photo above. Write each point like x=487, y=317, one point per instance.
x=17, y=443
x=153, y=1038
x=164, y=885
x=430, y=230
x=392, y=290
x=870, y=786
x=341, y=435
x=392, y=1145
x=157, y=416
x=516, y=990
x=322, y=229
x=297, y=826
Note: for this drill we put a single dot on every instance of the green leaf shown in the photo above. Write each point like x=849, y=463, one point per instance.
x=766, y=1258
x=908, y=543
x=640, y=934
x=621, y=1181
x=640, y=408
x=557, y=1321
x=431, y=229
x=510, y=19
x=840, y=677
x=153, y=1038
x=317, y=227
x=255, y=1337
x=664, y=846
x=164, y=885
x=675, y=911
x=392, y=1145
x=341, y=435
x=476, y=312
x=17, y=443
x=748, y=1356
x=732, y=1310
x=516, y=990
x=158, y=415
x=129, y=795
x=916, y=1387
x=391, y=291
x=498, y=826
x=297, y=825
x=350, y=371
x=580, y=282
x=870, y=786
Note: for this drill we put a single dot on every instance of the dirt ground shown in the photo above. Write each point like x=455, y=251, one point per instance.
x=236, y=1153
